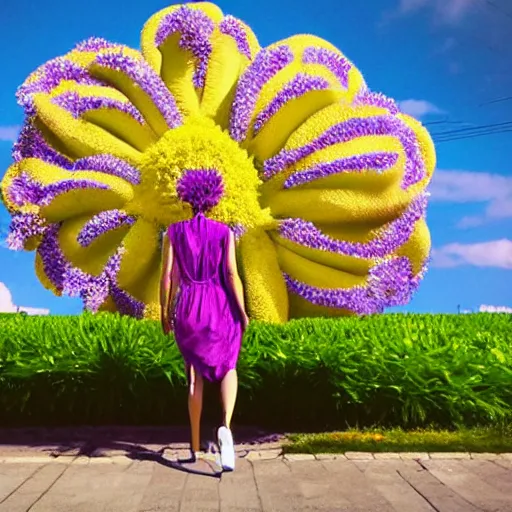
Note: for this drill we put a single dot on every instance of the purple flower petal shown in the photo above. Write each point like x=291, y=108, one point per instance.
x=23, y=227
x=54, y=262
x=77, y=105
x=333, y=61
x=196, y=29
x=266, y=65
x=126, y=304
x=238, y=230
x=93, y=290
x=352, y=129
x=377, y=162
x=390, y=283
x=95, y=44
x=31, y=144
x=24, y=189
x=295, y=88
x=202, y=189
x=101, y=224
x=377, y=99
x=144, y=77
x=95, y=293
x=109, y=164
x=393, y=235
x=49, y=76
x=232, y=27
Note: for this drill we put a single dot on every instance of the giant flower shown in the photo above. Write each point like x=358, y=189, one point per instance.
x=322, y=180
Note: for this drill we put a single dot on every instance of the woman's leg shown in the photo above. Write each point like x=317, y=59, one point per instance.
x=195, y=406
x=228, y=391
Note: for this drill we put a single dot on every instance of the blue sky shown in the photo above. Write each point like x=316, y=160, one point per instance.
x=446, y=60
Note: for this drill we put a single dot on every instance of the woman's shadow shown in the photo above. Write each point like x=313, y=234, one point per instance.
x=189, y=465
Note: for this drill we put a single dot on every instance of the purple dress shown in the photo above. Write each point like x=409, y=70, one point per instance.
x=207, y=321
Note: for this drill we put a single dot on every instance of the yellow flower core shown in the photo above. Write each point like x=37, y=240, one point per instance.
x=198, y=144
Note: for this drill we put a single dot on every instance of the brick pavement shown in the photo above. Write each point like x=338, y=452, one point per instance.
x=150, y=477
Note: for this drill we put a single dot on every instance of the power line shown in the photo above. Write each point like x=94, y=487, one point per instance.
x=495, y=6
x=497, y=100
x=474, y=128
x=474, y=136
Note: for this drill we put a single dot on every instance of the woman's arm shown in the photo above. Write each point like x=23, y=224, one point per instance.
x=234, y=279
x=166, y=282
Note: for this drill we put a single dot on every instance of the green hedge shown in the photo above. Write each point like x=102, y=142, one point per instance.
x=387, y=370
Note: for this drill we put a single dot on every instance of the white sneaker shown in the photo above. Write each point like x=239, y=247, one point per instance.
x=227, y=449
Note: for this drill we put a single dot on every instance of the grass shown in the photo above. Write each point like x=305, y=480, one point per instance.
x=385, y=371
x=476, y=440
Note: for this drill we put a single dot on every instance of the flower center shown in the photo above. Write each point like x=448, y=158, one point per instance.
x=198, y=144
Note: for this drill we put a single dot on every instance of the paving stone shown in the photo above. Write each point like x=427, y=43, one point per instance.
x=383, y=475
x=81, y=460
x=278, y=491
x=253, y=456
x=354, y=487
x=449, y=455
x=33, y=488
x=358, y=455
x=238, y=491
x=320, y=488
x=201, y=492
x=90, y=488
x=164, y=490
x=121, y=459
x=269, y=454
x=507, y=464
x=37, y=459
x=439, y=495
x=12, y=477
x=330, y=456
x=493, y=474
x=387, y=456
x=102, y=461
x=295, y=457
x=414, y=456
x=485, y=456
x=455, y=475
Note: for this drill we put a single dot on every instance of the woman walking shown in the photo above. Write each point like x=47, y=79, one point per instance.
x=202, y=300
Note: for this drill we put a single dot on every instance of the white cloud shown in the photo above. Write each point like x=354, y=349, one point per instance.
x=7, y=305
x=9, y=133
x=418, y=108
x=474, y=187
x=445, y=11
x=496, y=253
x=484, y=308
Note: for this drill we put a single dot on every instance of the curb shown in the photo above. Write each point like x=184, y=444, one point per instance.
x=264, y=455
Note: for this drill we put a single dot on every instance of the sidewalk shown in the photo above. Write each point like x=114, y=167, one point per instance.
x=119, y=470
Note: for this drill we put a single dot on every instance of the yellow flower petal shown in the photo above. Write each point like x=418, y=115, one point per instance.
x=92, y=258
x=417, y=248
x=141, y=246
x=117, y=122
x=267, y=297
x=224, y=69
x=172, y=63
x=301, y=105
x=115, y=192
x=77, y=138
x=332, y=205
